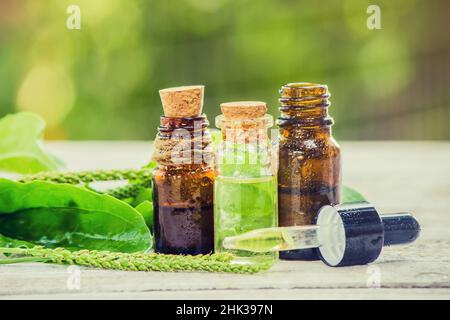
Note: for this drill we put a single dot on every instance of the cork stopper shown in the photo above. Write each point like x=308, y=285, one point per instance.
x=243, y=109
x=244, y=121
x=182, y=102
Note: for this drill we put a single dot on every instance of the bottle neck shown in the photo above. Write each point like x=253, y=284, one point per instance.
x=176, y=169
x=183, y=142
x=305, y=106
x=244, y=131
x=305, y=133
x=170, y=126
x=245, y=148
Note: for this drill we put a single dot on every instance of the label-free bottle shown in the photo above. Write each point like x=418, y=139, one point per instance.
x=309, y=174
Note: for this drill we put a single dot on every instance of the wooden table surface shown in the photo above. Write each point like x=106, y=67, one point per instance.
x=395, y=176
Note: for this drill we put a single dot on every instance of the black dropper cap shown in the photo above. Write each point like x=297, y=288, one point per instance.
x=399, y=228
x=356, y=233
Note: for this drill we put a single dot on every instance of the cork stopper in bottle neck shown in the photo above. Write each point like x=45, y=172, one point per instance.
x=244, y=121
x=182, y=102
x=183, y=137
x=243, y=109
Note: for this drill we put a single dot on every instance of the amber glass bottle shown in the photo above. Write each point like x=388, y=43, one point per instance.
x=309, y=174
x=184, y=180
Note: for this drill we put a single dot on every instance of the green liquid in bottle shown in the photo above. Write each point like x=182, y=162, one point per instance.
x=242, y=205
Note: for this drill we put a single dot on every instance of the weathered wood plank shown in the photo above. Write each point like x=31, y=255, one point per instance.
x=422, y=266
x=259, y=294
x=396, y=176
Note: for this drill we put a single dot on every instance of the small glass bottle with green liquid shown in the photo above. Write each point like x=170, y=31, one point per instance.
x=245, y=194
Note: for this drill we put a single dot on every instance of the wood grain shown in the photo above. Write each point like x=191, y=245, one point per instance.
x=396, y=176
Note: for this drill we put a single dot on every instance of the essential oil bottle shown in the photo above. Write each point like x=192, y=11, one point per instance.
x=184, y=178
x=245, y=185
x=309, y=174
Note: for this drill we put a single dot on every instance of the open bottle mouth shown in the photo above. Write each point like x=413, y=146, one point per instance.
x=304, y=104
x=303, y=89
x=303, y=95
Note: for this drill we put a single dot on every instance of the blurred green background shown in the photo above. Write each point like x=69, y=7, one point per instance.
x=101, y=82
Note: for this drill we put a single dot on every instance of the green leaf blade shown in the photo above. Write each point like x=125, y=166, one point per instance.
x=62, y=215
x=351, y=195
x=145, y=208
x=20, y=145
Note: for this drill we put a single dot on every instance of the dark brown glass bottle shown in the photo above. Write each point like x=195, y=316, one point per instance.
x=309, y=174
x=184, y=179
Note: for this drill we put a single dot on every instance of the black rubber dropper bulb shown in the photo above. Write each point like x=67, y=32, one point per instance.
x=399, y=228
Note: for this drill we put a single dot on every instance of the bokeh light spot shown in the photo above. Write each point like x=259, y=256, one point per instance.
x=48, y=91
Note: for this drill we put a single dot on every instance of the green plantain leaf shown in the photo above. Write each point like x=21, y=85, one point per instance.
x=14, y=243
x=62, y=215
x=145, y=208
x=20, y=145
x=351, y=195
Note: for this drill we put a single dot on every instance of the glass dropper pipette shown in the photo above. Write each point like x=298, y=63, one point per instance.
x=347, y=234
x=275, y=239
